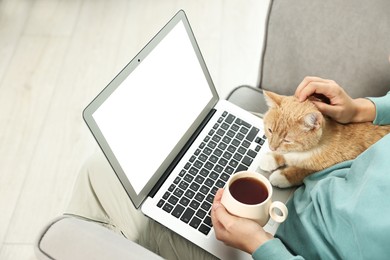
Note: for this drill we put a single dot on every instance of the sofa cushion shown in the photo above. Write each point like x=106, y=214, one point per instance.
x=73, y=238
x=347, y=41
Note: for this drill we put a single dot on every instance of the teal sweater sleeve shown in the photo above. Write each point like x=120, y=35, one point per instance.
x=382, y=105
x=339, y=213
x=273, y=250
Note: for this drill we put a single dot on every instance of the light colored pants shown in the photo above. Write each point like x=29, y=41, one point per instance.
x=99, y=196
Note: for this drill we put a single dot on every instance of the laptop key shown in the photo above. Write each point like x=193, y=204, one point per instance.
x=251, y=153
x=207, y=151
x=160, y=203
x=214, y=175
x=188, y=178
x=201, y=213
x=224, y=177
x=242, y=150
x=194, y=186
x=227, y=155
x=173, y=200
x=184, y=201
x=209, y=165
x=204, y=189
x=242, y=122
x=220, y=183
x=208, y=221
x=178, y=211
x=204, y=172
x=236, y=142
x=247, y=161
x=229, y=170
x=198, y=164
x=194, y=204
x=203, y=157
x=200, y=197
x=231, y=133
x=214, y=191
x=178, y=192
x=252, y=134
x=206, y=206
x=171, y=188
x=210, y=198
x=222, y=162
x=244, y=130
x=229, y=119
x=166, y=195
x=204, y=229
x=183, y=185
x=241, y=167
x=195, y=222
x=246, y=143
x=209, y=182
x=199, y=179
x=225, y=126
x=235, y=127
x=167, y=207
x=237, y=156
x=193, y=170
x=187, y=215
x=233, y=163
x=190, y=194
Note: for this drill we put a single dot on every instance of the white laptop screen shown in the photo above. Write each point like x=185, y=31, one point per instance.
x=151, y=110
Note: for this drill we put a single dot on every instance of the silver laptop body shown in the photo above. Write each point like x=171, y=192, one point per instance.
x=170, y=139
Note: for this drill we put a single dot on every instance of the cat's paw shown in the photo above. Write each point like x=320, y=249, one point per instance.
x=278, y=179
x=268, y=162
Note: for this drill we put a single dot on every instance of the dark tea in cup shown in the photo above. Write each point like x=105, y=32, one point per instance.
x=249, y=195
x=249, y=191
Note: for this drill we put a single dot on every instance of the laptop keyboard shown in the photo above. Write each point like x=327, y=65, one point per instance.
x=225, y=150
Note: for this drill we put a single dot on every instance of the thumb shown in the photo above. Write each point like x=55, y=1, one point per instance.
x=222, y=215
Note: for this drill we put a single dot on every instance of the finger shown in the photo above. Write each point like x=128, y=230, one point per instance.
x=219, y=230
x=305, y=82
x=218, y=227
x=218, y=195
x=216, y=205
x=223, y=216
x=315, y=88
x=222, y=220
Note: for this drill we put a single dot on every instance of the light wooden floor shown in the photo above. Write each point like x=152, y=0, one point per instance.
x=56, y=55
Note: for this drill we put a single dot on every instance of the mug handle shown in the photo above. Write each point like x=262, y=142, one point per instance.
x=282, y=208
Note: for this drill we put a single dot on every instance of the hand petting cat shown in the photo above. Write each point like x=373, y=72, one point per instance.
x=340, y=107
x=318, y=127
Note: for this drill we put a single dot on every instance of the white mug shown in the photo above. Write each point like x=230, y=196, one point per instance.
x=252, y=207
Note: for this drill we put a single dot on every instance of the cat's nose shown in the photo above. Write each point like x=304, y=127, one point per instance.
x=272, y=148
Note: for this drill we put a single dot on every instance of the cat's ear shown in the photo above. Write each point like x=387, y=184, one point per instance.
x=272, y=99
x=312, y=120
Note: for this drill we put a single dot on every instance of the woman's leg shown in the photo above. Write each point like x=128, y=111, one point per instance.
x=99, y=196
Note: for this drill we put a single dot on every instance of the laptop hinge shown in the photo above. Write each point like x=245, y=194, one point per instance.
x=172, y=166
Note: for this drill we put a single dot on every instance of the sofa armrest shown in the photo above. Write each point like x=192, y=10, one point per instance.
x=249, y=98
x=72, y=238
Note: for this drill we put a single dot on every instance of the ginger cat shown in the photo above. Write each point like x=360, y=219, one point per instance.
x=303, y=141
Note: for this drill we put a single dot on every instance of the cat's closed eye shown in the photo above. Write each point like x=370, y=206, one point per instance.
x=270, y=130
x=287, y=141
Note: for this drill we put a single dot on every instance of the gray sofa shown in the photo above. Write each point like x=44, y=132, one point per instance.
x=347, y=41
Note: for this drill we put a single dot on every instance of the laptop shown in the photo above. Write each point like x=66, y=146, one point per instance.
x=171, y=140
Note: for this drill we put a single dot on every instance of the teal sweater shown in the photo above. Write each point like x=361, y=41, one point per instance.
x=342, y=212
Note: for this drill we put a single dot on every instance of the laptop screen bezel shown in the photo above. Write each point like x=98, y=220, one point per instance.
x=88, y=112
